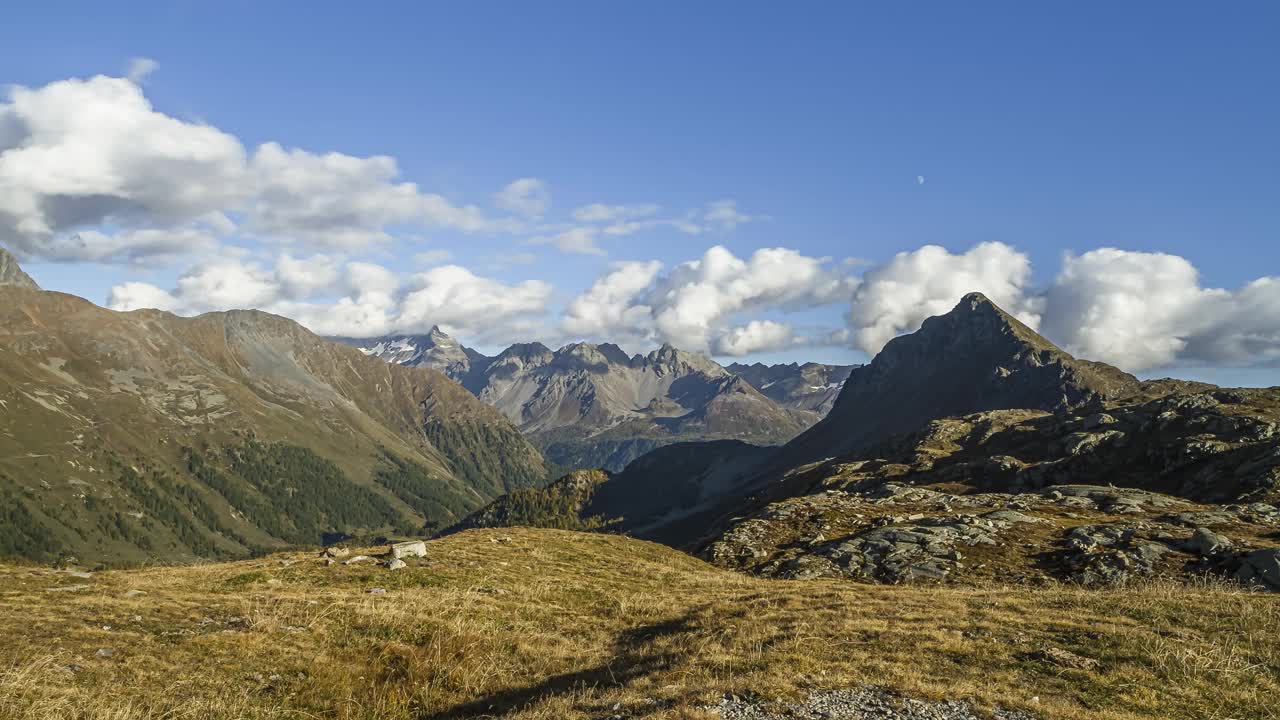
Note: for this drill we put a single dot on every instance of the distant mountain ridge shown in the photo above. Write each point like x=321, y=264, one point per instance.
x=811, y=386
x=590, y=405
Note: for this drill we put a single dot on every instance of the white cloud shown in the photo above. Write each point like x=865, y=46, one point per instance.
x=300, y=278
x=78, y=154
x=527, y=196
x=580, y=240
x=472, y=306
x=1142, y=310
x=138, y=295
x=94, y=158
x=693, y=305
x=724, y=215
x=370, y=299
x=609, y=309
x=896, y=297
x=755, y=336
x=140, y=68
x=597, y=212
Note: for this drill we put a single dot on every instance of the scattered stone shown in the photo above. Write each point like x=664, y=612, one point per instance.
x=1206, y=542
x=68, y=588
x=377, y=591
x=412, y=548
x=336, y=552
x=1064, y=658
x=357, y=559
x=396, y=564
x=81, y=574
x=133, y=593
x=106, y=652
x=868, y=703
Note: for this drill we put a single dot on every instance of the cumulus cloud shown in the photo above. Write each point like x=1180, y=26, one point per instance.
x=334, y=297
x=1142, y=310
x=527, y=196
x=755, y=336
x=89, y=170
x=611, y=307
x=694, y=305
x=896, y=297
x=694, y=302
x=78, y=154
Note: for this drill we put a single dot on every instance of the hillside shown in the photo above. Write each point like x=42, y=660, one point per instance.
x=543, y=625
x=664, y=495
x=1183, y=486
x=589, y=406
x=133, y=436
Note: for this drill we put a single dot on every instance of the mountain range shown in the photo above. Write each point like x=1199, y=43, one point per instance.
x=595, y=406
x=144, y=435
x=975, y=359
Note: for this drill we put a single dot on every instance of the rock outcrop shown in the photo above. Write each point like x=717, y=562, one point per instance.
x=11, y=274
x=1181, y=485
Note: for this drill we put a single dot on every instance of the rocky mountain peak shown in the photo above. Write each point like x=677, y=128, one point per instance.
x=11, y=273
x=668, y=358
x=976, y=357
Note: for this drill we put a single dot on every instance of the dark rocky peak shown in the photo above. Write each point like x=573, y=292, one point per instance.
x=974, y=358
x=11, y=273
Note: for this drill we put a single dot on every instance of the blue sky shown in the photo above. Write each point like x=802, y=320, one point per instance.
x=1147, y=127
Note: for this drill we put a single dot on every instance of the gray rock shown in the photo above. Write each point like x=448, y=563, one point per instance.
x=412, y=548
x=396, y=564
x=1262, y=568
x=1206, y=542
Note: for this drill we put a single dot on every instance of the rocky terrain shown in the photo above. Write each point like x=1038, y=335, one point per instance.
x=145, y=436
x=1185, y=485
x=588, y=406
x=811, y=386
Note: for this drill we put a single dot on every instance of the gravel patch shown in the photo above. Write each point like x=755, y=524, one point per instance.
x=860, y=704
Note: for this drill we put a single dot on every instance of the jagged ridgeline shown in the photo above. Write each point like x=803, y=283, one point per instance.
x=594, y=406
x=145, y=436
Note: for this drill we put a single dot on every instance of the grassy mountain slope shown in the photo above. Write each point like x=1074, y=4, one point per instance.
x=543, y=625
x=127, y=436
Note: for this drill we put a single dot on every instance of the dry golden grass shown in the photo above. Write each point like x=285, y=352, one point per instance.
x=553, y=624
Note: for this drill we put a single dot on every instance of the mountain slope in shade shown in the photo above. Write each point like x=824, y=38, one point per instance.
x=976, y=357
x=591, y=405
x=11, y=274
x=811, y=386
x=662, y=496
x=126, y=436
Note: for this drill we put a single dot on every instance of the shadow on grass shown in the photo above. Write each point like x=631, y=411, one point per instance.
x=633, y=658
